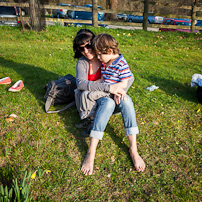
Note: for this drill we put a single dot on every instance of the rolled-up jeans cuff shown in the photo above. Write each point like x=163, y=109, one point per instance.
x=131, y=131
x=96, y=134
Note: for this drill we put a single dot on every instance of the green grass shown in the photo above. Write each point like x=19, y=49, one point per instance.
x=169, y=120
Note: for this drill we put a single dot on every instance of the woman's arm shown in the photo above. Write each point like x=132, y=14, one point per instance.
x=82, y=78
x=83, y=83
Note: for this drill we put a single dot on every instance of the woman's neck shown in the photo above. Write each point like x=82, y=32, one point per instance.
x=94, y=60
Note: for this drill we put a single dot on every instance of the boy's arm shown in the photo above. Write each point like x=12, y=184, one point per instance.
x=122, y=84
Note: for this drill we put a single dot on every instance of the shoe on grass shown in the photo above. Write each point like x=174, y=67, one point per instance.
x=5, y=80
x=86, y=132
x=84, y=124
x=17, y=86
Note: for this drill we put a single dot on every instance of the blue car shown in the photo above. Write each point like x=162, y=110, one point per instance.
x=139, y=19
x=61, y=13
x=83, y=15
x=101, y=13
x=199, y=23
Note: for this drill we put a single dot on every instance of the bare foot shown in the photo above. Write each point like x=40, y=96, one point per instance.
x=88, y=163
x=137, y=161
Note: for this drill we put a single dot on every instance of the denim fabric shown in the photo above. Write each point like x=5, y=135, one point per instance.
x=129, y=117
x=106, y=108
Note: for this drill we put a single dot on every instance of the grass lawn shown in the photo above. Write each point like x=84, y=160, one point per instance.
x=169, y=120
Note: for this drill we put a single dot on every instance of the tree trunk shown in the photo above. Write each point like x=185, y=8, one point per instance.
x=193, y=15
x=113, y=5
x=95, y=13
x=37, y=14
x=33, y=13
x=145, y=14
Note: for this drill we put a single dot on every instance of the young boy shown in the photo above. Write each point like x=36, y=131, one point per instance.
x=114, y=69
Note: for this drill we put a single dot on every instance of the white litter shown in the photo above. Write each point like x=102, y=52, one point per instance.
x=196, y=80
x=152, y=88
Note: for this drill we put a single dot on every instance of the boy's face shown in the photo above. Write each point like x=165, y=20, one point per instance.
x=104, y=57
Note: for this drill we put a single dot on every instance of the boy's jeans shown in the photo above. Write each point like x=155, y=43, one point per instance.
x=106, y=108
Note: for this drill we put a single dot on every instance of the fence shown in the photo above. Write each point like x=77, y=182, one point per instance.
x=196, y=14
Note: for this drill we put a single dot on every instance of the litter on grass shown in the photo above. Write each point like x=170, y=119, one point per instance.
x=196, y=80
x=152, y=88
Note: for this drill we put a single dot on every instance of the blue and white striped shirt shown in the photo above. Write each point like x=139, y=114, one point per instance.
x=116, y=72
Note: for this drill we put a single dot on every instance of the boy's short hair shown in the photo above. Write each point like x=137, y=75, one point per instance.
x=103, y=43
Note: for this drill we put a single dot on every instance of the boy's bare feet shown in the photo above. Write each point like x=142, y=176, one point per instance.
x=88, y=163
x=137, y=160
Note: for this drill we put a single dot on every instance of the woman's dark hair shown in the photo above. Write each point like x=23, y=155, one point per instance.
x=82, y=36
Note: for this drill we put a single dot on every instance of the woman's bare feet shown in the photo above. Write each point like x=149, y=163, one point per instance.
x=137, y=160
x=88, y=163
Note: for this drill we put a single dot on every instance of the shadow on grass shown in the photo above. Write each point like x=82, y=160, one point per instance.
x=172, y=87
x=34, y=79
x=118, y=140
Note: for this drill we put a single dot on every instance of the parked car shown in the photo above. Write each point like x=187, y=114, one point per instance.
x=199, y=23
x=172, y=21
x=102, y=14
x=139, y=19
x=9, y=12
x=185, y=19
x=23, y=10
x=61, y=13
x=122, y=16
x=82, y=15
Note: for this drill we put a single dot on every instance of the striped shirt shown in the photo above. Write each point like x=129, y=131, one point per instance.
x=116, y=72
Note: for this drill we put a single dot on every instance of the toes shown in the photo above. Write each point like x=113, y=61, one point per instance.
x=86, y=171
x=90, y=172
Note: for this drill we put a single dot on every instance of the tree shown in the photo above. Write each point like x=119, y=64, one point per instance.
x=193, y=14
x=113, y=5
x=37, y=14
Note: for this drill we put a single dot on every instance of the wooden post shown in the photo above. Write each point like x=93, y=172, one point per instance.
x=193, y=15
x=21, y=20
x=95, y=13
x=145, y=14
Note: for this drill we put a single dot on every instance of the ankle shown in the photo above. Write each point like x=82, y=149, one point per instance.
x=133, y=150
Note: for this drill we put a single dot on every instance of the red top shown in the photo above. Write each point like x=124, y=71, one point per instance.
x=96, y=76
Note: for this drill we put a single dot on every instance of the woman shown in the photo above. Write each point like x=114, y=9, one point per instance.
x=88, y=71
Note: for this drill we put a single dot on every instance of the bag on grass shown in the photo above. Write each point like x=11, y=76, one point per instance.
x=199, y=94
x=60, y=91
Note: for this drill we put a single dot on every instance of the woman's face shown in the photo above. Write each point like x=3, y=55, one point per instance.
x=86, y=50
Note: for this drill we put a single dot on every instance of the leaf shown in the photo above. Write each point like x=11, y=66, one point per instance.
x=10, y=119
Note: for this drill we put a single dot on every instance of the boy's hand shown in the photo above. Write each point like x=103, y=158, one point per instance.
x=117, y=99
x=117, y=91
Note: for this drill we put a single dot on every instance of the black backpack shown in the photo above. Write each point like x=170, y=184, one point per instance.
x=59, y=92
x=199, y=94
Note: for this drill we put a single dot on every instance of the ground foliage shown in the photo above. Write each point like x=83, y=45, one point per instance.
x=49, y=145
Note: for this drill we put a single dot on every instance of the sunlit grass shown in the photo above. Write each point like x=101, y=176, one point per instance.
x=169, y=119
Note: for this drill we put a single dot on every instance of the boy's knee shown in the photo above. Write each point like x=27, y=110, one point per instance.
x=125, y=98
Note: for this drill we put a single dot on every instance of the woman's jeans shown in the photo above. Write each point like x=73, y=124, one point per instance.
x=106, y=108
